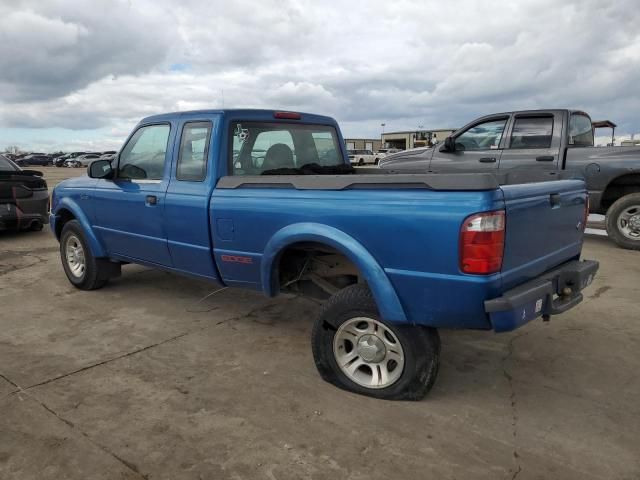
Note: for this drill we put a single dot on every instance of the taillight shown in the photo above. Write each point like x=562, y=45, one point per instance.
x=482, y=243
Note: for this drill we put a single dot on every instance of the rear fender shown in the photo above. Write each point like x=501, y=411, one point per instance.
x=69, y=204
x=383, y=292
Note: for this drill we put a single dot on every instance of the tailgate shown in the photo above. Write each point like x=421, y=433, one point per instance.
x=544, y=224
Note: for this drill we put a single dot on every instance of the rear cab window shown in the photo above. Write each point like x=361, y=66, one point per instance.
x=6, y=165
x=259, y=147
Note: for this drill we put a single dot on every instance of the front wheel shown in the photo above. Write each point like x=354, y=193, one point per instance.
x=356, y=350
x=623, y=221
x=83, y=270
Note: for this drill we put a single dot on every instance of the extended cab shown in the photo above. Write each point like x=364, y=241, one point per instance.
x=533, y=142
x=268, y=201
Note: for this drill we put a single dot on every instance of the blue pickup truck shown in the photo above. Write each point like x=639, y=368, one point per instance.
x=267, y=200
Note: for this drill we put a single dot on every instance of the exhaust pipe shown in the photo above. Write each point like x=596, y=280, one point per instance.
x=35, y=225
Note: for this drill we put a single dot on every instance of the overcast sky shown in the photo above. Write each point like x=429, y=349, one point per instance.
x=80, y=74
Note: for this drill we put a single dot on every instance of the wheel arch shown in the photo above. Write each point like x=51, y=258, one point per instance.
x=68, y=210
x=382, y=290
x=620, y=186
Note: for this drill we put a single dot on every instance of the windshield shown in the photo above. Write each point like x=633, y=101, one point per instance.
x=6, y=165
x=260, y=147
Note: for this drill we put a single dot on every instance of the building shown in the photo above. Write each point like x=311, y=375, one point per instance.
x=414, y=138
x=373, y=144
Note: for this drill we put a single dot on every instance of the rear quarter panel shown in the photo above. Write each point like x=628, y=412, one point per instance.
x=600, y=166
x=412, y=234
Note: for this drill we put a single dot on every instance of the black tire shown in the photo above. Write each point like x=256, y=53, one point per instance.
x=361, y=162
x=421, y=347
x=36, y=227
x=96, y=271
x=613, y=215
x=377, y=161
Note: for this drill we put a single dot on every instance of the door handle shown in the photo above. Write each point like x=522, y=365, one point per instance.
x=545, y=158
x=487, y=160
x=151, y=200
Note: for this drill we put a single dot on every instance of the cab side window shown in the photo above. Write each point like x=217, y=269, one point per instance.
x=194, y=151
x=580, y=131
x=484, y=136
x=532, y=132
x=144, y=155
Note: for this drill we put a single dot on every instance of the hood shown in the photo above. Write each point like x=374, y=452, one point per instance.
x=77, y=182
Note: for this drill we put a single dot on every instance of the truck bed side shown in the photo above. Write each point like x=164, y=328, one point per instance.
x=412, y=234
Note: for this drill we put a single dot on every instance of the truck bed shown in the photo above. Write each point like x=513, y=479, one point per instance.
x=409, y=223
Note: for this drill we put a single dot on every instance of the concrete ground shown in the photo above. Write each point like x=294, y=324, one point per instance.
x=151, y=378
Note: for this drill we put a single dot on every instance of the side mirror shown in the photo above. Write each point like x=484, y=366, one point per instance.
x=449, y=145
x=100, y=169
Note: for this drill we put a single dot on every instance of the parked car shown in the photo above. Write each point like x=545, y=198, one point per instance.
x=383, y=152
x=86, y=159
x=24, y=197
x=72, y=163
x=360, y=157
x=464, y=252
x=60, y=162
x=531, y=142
x=41, y=159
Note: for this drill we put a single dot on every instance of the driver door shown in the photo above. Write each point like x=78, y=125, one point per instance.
x=129, y=210
x=478, y=149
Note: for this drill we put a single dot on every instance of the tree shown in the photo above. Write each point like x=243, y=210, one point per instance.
x=12, y=149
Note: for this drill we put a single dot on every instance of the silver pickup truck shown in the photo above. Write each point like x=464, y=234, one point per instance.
x=535, y=143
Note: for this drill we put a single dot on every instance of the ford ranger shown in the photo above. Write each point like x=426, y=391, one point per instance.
x=267, y=200
x=534, y=142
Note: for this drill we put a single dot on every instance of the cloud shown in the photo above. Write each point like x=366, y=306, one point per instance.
x=53, y=48
x=102, y=65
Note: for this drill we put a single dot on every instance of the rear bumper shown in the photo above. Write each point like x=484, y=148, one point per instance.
x=551, y=293
x=24, y=213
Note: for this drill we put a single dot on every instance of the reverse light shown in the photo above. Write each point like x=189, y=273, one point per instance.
x=482, y=243
x=287, y=115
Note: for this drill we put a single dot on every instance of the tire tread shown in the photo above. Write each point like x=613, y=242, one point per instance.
x=421, y=345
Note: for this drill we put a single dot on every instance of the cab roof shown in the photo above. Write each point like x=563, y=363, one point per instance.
x=246, y=114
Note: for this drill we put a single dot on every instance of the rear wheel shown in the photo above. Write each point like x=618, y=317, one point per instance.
x=83, y=270
x=356, y=350
x=361, y=162
x=623, y=221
